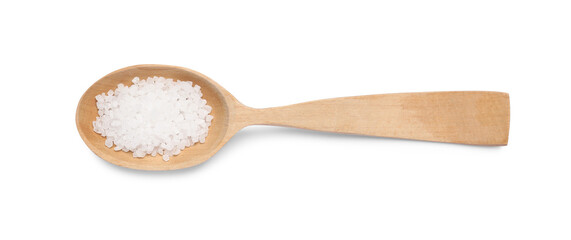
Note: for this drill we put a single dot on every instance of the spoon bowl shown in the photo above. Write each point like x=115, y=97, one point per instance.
x=215, y=95
x=464, y=117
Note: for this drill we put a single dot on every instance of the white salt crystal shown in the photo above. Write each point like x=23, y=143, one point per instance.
x=153, y=116
x=109, y=143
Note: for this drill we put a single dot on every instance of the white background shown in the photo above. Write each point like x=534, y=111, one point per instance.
x=278, y=183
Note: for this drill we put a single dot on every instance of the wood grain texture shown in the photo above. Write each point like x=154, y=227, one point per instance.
x=479, y=118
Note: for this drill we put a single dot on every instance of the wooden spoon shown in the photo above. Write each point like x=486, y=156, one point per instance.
x=478, y=118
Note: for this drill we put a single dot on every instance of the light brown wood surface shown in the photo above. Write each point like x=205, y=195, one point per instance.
x=467, y=117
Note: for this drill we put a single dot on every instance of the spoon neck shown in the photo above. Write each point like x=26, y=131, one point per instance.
x=276, y=116
x=245, y=116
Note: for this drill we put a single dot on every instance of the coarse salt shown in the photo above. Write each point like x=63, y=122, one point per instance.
x=153, y=116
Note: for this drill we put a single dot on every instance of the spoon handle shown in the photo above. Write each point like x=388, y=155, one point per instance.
x=470, y=117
